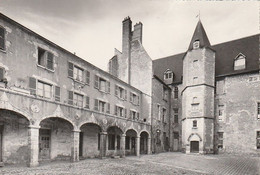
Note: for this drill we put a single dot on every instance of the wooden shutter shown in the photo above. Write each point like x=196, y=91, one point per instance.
x=87, y=102
x=125, y=113
x=70, y=99
x=87, y=77
x=2, y=73
x=96, y=105
x=108, y=108
x=131, y=97
x=32, y=85
x=115, y=110
x=57, y=93
x=70, y=69
x=116, y=90
x=137, y=115
x=108, y=87
x=2, y=38
x=125, y=94
x=96, y=84
x=50, y=61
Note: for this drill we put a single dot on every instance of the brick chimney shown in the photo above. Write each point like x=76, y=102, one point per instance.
x=138, y=32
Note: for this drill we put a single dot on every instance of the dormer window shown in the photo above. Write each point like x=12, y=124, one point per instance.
x=168, y=74
x=196, y=44
x=240, y=62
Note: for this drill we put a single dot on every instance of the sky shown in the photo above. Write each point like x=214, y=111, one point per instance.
x=93, y=28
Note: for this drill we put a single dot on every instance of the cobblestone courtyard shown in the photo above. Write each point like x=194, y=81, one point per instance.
x=164, y=163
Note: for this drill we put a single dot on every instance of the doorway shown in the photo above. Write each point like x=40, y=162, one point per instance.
x=44, y=144
x=194, y=146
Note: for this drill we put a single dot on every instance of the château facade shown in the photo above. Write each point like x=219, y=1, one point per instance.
x=55, y=105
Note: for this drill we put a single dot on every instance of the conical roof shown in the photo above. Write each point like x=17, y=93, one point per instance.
x=199, y=34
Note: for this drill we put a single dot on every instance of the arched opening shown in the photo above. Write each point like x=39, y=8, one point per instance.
x=55, y=139
x=130, y=142
x=89, y=140
x=14, y=145
x=144, y=142
x=114, y=140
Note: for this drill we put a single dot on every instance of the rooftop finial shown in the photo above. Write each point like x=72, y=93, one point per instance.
x=198, y=15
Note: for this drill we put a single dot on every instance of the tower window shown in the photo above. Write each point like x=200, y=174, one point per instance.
x=194, y=124
x=176, y=92
x=196, y=44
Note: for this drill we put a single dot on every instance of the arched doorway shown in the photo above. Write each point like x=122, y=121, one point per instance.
x=14, y=145
x=144, y=142
x=130, y=142
x=89, y=141
x=114, y=136
x=194, y=146
x=55, y=139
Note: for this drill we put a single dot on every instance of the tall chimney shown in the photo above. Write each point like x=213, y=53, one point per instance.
x=138, y=32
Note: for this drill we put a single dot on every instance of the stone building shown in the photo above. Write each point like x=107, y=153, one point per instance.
x=55, y=105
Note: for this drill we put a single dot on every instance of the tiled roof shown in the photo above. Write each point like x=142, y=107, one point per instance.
x=225, y=55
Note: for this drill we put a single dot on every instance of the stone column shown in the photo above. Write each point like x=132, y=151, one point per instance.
x=137, y=144
x=103, y=144
x=75, y=146
x=33, y=139
x=122, y=145
x=149, y=145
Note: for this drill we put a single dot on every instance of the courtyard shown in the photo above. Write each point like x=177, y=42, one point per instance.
x=163, y=163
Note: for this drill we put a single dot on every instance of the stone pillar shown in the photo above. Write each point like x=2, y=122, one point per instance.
x=103, y=144
x=149, y=145
x=75, y=146
x=137, y=144
x=122, y=145
x=33, y=139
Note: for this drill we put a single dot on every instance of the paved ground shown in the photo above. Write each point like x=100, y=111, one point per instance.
x=164, y=163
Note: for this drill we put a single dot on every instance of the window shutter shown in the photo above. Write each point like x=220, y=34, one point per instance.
x=125, y=94
x=108, y=108
x=2, y=38
x=32, y=86
x=131, y=97
x=115, y=110
x=70, y=99
x=108, y=87
x=96, y=84
x=125, y=113
x=2, y=71
x=57, y=93
x=138, y=100
x=116, y=90
x=96, y=105
x=137, y=114
x=50, y=61
x=87, y=102
x=70, y=69
x=87, y=77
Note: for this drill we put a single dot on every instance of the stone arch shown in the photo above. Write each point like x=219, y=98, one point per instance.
x=131, y=128
x=91, y=122
x=131, y=141
x=60, y=117
x=195, y=137
x=145, y=132
x=144, y=139
x=114, y=140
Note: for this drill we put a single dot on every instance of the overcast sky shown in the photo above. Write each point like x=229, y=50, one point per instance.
x=93, y=28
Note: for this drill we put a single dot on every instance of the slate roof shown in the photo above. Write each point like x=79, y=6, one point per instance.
x=225, y=55
x=199, y=34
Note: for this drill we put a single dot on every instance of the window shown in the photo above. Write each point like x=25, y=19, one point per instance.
x=44, y=89
x=120, y=92
x=134, y=99
x=175, y=92
x=134, y=115
x=2, y=74
x=159, y=112
x=2, y=38
x=220, y=140
x=77, y=73
x=258, y=111
x=240, y=62
x=257, y=139
x=78, y=100
x=164, y=115
x=45, y=59
x=196, y=44
x=101, y=106
x=57, y=93
x=111, y=142
x=176, y=118
x=194, y=123
x=102, y=84
x=195, y=104
x=87, y=102
x=220, y=113
x=168, y=74
x=120, y=111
